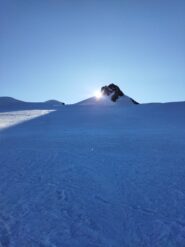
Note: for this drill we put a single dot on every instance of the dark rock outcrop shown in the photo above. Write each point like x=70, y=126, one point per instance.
x=115, y=92
x=112, y=90
x=135, y=102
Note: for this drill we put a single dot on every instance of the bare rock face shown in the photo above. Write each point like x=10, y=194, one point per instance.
x=112, y=90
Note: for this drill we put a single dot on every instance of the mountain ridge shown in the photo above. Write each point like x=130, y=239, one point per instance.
x=10, y=103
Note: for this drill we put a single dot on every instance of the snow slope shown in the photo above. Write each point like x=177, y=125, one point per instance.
x=95, y=176
x=106, y=100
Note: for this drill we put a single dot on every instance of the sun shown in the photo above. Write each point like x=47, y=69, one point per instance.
x=98, y=94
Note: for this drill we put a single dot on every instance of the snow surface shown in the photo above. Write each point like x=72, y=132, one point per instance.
x=8, y=119
x=94, y=176
x=106, y=100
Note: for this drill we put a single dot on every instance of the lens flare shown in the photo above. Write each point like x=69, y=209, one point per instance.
x=98, y=94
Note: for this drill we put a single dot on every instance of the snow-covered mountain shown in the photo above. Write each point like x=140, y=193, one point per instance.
x=86, y=175
x=110, y=95
x=8, y=103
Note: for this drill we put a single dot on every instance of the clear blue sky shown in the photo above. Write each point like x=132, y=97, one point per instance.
x=67, y=49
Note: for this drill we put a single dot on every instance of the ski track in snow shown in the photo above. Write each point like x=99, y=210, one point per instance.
x=94, y=176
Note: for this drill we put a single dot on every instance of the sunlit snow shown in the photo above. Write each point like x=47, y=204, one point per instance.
x=8, y=119
x=98, y=95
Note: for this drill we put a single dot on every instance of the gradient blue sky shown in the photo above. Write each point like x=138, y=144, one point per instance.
x=67, y=49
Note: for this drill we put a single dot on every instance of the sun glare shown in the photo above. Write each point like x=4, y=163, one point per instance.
x=98, y=94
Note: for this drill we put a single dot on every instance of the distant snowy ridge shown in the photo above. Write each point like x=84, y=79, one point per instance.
x=9, y=103
x=53, y=102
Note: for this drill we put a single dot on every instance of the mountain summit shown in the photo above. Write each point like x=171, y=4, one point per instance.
x=109, y=95
x=115, y=92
